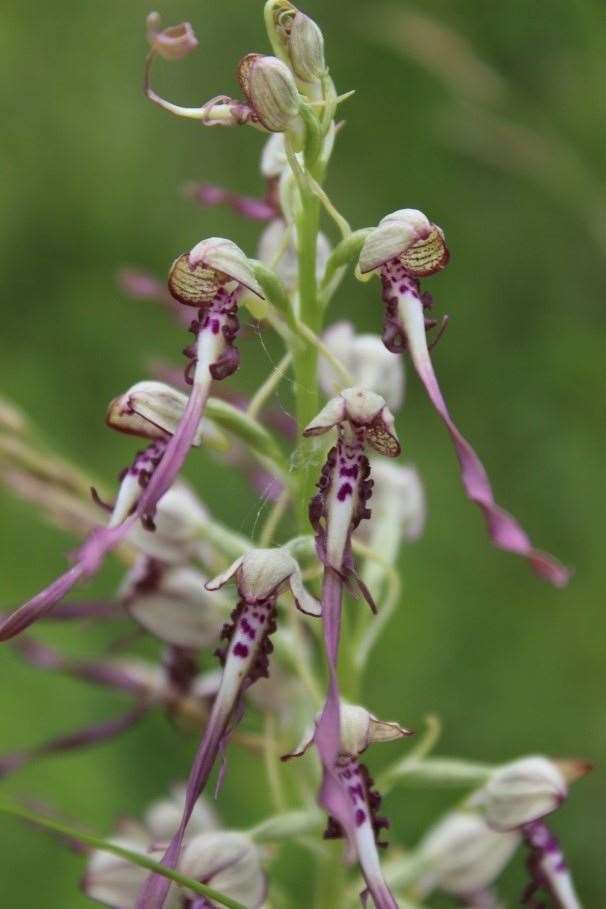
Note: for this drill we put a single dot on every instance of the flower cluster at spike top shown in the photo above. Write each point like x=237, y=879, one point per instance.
x=245, y=625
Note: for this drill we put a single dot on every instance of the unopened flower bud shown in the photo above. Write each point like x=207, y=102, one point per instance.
x=464, y=855
x=408, y=236
x=521, y=792
x=306, y=48
x=361, y=408
x=196, y=277
x=228, y=862
x=172, y=43
x=368, y=361
x=177, y=609
x=271, y=91
x=262, y=573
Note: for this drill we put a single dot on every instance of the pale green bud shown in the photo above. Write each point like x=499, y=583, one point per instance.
x=271, y=91
x=306, y=48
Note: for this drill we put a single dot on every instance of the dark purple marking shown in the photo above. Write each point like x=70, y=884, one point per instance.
x=215, y=326
x=345, y=491
x=349, y=471
x=248, y=630
x=240, y=650
x=360, y=817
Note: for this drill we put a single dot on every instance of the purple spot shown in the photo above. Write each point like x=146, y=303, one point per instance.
x=357, y=791
x=360, y=817
x=241, y=650
x=345, y=491
x=215, y=326
x=349, y=471
x=248, y=630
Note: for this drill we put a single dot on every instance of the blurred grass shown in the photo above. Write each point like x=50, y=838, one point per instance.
x=91, y=181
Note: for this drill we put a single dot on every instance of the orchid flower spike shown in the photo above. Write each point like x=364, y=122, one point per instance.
x=366, y=359
x=260, y=576
x=229, y=862
x=349, y=790
x=404, y=248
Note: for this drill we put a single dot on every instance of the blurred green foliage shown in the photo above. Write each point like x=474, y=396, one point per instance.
x=500, y=138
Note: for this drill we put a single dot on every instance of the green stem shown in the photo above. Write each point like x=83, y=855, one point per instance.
x=136, y=858
x=305, y=361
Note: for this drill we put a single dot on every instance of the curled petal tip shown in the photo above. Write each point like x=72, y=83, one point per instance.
x=173, y=42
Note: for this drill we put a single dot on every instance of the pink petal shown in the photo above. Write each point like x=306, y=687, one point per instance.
x=88, y=735
x=504, y=530
x=38, y=606
x=256, y=209
x=175, y=454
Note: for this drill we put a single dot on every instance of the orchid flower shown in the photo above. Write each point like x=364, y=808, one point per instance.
x=226, y=861
x=210, y=277
x=361, y=417
x=358, y=730
x=518, y=796
x=260, y=575
x=404, y=248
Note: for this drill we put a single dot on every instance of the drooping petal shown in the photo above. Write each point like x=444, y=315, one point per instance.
x=209, y=196
x=176, y=451
x=88, y=735
x=40, y=605
x=504, y=530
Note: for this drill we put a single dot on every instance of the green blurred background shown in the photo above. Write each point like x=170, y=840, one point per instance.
x=490, y=117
